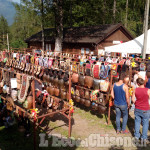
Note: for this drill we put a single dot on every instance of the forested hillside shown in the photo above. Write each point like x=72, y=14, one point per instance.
x=7, y=10
x=34, y=15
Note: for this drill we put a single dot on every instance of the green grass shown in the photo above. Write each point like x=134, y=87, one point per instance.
x=94, y=119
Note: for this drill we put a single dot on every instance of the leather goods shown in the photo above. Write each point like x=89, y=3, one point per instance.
x=48, y=89
x=62, y=65
x=44, y=77
x=24, y=88
x=66, y=76
x=56, y=91
x=41, y=74
x=10, y=103
x=14, y=94
x=96, y=84
x=56, y=103
x=51, y=80
x=28, y=104
x=61, y=84
x=81, y=69
x=104, y=71
x=102, y=109
x=50, y=62
x=51, y=90
x=88, y=70
x=73, y=97
x=77, y=99
x=67, y=64
x=94, y=95
x=56, y=63
x=75, y=78
x=88, y=82
x=66, y=79
x=60, y=74
x=47, y=76
x=94, y=106
x=63, y=95
x=122, y=61
x=77, y=91
x=19, y=80
x=38, y=70
x=114, y=70
x=82, y=101
x=104, y=85
x=74, y=67
x=87, y=103
x=81, y=80
x=56, y=82
x=142, y=67
x=44, y=100
x=66, y=106
x=45, y=61
x=73, y=90
x=87, y=94
x=38, y=96
x=41, y=63
x=81, y=92
x=96, y=71
x=103, y=99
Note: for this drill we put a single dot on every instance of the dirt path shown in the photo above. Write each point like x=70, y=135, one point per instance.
x=85, y=124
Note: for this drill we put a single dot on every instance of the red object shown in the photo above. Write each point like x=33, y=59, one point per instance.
x=141, y=99
x=96, y=71
x=110, y=103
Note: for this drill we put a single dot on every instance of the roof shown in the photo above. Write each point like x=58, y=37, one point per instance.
x=91, y=34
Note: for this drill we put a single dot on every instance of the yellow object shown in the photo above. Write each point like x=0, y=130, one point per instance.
x=131, y=91
x=71, y=103
x=133, y=64
x=34, y=112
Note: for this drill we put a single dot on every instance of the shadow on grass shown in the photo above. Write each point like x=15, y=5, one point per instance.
x=12, y=139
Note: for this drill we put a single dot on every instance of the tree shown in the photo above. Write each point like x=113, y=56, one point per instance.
x=58, y=7
x=4, y=30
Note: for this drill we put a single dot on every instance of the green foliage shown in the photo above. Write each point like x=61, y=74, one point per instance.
x=18, y=44
x=4, y=30
x=29, y=16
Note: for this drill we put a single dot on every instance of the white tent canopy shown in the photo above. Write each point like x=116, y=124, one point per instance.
x=133, y=46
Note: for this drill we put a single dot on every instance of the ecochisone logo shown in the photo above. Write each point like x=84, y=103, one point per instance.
x=94, y=140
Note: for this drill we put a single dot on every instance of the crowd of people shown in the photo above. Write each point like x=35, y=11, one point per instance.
x=139, y=101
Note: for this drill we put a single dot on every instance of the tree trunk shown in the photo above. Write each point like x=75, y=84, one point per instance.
x=58, y=25
x=42, y=25
x=144, y=16
x=114, y=12
x=126, y=19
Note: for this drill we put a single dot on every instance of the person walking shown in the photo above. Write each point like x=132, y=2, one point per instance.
x=141, y=109
x=120, y=94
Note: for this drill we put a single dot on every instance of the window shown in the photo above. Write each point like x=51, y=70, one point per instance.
x=48, y=46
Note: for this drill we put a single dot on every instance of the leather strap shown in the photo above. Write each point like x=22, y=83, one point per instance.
x=38, y=93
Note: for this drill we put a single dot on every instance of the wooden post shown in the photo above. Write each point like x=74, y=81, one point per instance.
x=33, y=93
x=111, y=77
x=69, y=132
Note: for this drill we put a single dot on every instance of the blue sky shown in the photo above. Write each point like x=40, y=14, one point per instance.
x=18, y=1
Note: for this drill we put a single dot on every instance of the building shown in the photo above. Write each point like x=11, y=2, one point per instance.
x=83, y=39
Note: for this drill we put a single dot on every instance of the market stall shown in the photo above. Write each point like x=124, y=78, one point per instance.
x=134, y=46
